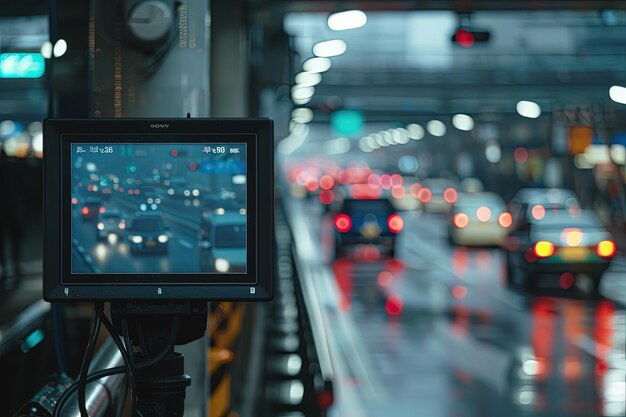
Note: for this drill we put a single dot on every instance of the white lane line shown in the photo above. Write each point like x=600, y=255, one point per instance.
x=185, y=243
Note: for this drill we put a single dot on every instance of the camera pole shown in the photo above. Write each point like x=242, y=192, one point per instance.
x=152, y=330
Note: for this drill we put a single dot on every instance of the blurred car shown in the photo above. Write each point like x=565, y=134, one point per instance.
x=366, y=220
x=559, y=243
x=147, y=233
x=222, y=240
x=110, y=222
x=479, y=219
x=533, y=203
x=92, y=207
x=438, y=195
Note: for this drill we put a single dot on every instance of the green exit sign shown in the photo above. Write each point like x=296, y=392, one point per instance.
x=21, y=65
x=347, y=122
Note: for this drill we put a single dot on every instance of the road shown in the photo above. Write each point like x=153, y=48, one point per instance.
x=437, y=333
x=114, y=255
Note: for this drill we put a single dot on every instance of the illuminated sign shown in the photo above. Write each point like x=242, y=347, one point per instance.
x=22, y=65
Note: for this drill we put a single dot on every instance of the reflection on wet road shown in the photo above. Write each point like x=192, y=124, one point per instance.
x=437, y=332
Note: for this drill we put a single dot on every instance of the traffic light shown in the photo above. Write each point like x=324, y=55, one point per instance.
x=174, y=153
x=467, y=37
x=193, y=166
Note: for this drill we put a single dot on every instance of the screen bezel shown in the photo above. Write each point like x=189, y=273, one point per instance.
x=71, y=277
x=60, y=284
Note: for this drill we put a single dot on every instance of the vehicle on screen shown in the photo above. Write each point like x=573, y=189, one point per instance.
x=217, y=205
x=561, y=244
x=479, y=219
x=438, y=195
x=366, y=221
x=223, y=241
x=92, y=208
x=111, y=222
x=147, y=233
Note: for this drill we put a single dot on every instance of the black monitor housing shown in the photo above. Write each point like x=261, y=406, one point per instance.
x=158, y=209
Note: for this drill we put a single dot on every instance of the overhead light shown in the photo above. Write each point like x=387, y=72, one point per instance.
x=380, y=140
x=618, y=94
x=302, y=115
x=463, y=122
x=416, y=132
x=528, y=109
x=365, y=147
x=387, y=136
x=317, y=64
x=59, y=48
x=308, y=79
x=337, y=146
x=371, y=141
x=302, y=93
x=436, y=128
x=330, y=48
x=350, y=19
x=301, y=101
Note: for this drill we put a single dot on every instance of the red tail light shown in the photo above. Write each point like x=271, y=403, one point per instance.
x=326, y=197
x=74, y=200
x=327, y=182
x=85, y=211
x=606, y=249
x=450, y=195
x=395, y=223
x=424, y=195
x=460, y=220
x=543, y=249
x=505, y=220
x=121, y=225
x=101, y=209
x=343, y=223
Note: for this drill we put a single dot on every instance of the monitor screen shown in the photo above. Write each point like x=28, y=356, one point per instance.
x=159, y=208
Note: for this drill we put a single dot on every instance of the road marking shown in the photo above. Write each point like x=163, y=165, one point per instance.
x=185, y=243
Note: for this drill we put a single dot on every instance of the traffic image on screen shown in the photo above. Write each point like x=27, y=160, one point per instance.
x=159, y=208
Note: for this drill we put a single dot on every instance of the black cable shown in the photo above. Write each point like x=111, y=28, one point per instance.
x=84, y=369
x=131, y=367
x=59, y=338
x=118, y=369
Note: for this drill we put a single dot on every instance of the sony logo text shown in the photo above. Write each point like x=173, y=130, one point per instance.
x=159, y=125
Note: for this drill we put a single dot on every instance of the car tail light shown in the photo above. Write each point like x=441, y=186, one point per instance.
x=606, y=249
x=543, y=249
x=326, y=197
x=343, y=223
x=122, y=225
x=100, y=226
x=483, y=214
x=395, y=223
x=450, y=195
x=85, y=211
x=424, y=195
x=101, y=209
x=327, y=182
x=460, y=220
x=505, y=220
x=74, y=200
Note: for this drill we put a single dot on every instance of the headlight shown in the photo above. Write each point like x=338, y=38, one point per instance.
x=100, y=226
x=163, y=238
x=136, y=239
x=221, y=265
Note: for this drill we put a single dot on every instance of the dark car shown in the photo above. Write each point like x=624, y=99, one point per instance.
x=147, y=233
x=110, y=222
x=560, y=244
x=362, y=221
x=533, y=203
x=92, y=208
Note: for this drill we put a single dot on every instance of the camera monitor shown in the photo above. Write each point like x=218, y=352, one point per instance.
x=141, y=209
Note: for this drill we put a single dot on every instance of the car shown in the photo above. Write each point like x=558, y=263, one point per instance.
x=110, y=222
x=222, y=240
x=532, y=203
x=147, y=233
x=561, y=244
x=218, y=205
x=438, y=195
x=92, y=208
x=479, y=219
x=366, y=221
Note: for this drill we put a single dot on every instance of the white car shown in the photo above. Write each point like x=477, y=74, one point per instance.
x=479, y=219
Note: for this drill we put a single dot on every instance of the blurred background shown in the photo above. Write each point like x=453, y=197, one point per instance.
x=451, y=210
